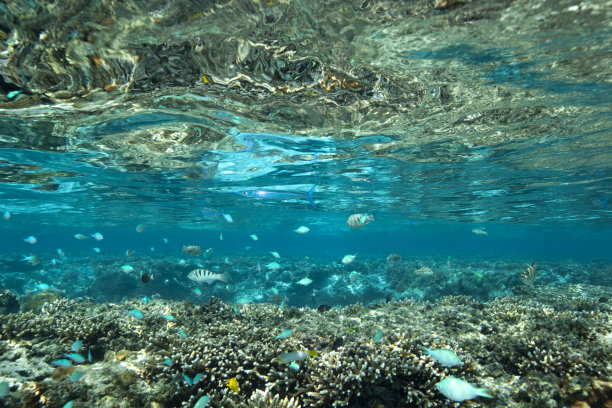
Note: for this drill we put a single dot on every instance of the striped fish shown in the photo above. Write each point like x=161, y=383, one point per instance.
x=193, y=250
x=206, y=276
x=529, y=274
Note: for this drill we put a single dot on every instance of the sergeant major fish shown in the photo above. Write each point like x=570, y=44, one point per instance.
x=206, y=276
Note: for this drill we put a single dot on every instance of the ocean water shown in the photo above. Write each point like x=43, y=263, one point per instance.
x=478, y=133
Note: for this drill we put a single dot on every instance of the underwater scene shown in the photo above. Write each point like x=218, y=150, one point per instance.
x=292, y=204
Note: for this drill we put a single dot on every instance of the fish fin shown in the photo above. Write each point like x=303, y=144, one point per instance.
x=483, y=392
x=224, y=277
x=309, y=196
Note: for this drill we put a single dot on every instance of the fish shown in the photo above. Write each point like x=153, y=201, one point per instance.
x=193, y=250
x=378, y=336
x=202, y=402
x=188, y=380
x=394, y=258
x=182, y=333
x=96, y=250
x=182, y=262
x=206, y=276
x=292, y=356
x=359, y=220
x=165, y=240
x=284, y=334
x=4, y=388
x=127, y=268
x=146, y=277
x=283, y=195
x=273, y=266
x=254, y=237
x=64, y=363
x=169, y=318
x=347, y=259
x=212, y=213
x=305, y=282
x=275, y=254
x=458, y=390
x=446, y=358
x=60, y=252
x=294, y=366
x=13, y=94
x=323, y=308
x=76, y=346
x=197, y=292
x=42, y=287
x=227, y=217
x=529, y=274
x=424, y=271
x=69, y=404
x=152, y=249
x=129, y=252
x=76, y=376
x=32, y=259
x=232, y=384
x=136, y=313
x=220, y=236
x=479, y=231
x=302, y=230
x=140, y=227
x=197, y=378
x=80, y=236
x=53, y=261
x=97, y=236
x=31, y=240
x=167, y=362
x=89, y=356
x=6, y=215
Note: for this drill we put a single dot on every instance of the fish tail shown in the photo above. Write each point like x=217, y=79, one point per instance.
x=483, y=392
x=223, y=277
x=309, y=196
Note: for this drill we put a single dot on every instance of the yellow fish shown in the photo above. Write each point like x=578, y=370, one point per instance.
x=233, y=384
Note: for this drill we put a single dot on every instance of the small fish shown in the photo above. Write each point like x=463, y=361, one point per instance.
x=136, y=313
x=236, y=311
x=479, y=231
x=31, y=240
x=529, y=274
x=359, y=220
x=182, y=262
x=446, y=358
x=273, y=266
x=182, y=333
x=42, y=287
x=459, y=390
x=206, y=276
x=169, y=318
x=76, y=346
x=197, y=378
x=75, y=357
x=284, y=334
x=197, y=291
x=96, y=250
x=127, y=268
x=347, y=259
x=378, y=336
x=424, y=271
x=394, y=258
x=4, y=388
x=305, y=282
x=13, y=94
x=167, y=362
x=129, y=252
x=53, y=261
x=193, y=250
x=283, y=195
x=202, y=402
x=165, y=240
x=227, y=217
x=69, y=404
x=32, y=259
x=275, y=254
x=188, y=380
x=254, y=237
x=226, y=261
x=64, y=363
x=220, y=236
x=294, y=366
x=323, y=308
x=60, y=252
x=6, y=215
x=152, y=249
x=97, y=236
x=76, y=376
x=302, y=230
x=232, y=384
x=140, y=227
x=89, y=356
x=292, y=356
x=146, y=277
x=80, y=236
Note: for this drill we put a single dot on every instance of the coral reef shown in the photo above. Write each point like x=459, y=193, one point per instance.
x=525, y=350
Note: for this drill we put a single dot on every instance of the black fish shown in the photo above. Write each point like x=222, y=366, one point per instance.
x=146, y=277
x=323, y=308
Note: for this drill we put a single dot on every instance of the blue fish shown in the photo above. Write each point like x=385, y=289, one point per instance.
x=76, y=346
x=212, y=213
x=189, y=382
x=76, y=376
x=169, y=318
x=378, y=336
x=197, y=378
x=77, y=358
x=284, y=334
x=283, y=195
x=89, y=356
x=69, y=404
x=65, y=363
x=136, y=313
x=182, y=333
x=167, y=362
x=202, y=402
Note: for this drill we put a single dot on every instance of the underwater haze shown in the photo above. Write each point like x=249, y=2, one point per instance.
x=305, y=204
